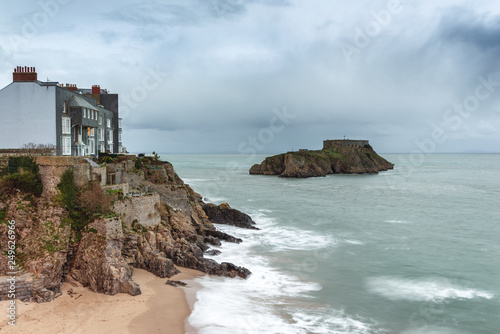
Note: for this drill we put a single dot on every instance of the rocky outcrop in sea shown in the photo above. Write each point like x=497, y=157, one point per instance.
x=332, y=159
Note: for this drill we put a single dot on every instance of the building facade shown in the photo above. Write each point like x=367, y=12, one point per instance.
x=77, y=122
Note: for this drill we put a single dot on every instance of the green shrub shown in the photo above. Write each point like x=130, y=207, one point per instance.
x=68, y=189
x=25, y=182
x=22, y=164
x=138, y=163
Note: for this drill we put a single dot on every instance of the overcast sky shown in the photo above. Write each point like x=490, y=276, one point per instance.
x=227, y=76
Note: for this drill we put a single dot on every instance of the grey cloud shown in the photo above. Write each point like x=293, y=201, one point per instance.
x=465, y=26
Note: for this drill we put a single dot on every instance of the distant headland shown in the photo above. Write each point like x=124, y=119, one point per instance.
x=340, y=156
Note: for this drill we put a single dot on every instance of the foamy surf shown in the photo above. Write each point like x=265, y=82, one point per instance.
x=427, y=289
x=266, y=302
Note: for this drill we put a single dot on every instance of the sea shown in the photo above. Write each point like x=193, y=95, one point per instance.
x=412, y=250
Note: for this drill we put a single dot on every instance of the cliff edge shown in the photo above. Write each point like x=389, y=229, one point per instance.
x=336, y=157
x=88, y=224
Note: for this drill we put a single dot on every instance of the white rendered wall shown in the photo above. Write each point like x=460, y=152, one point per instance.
x=27, y=115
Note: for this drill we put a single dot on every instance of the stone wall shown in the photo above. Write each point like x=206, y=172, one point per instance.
x=98, y=174
x=344, y=143
x=23, y=287
x=124, y=187
x=52, y=168
x=144, y=209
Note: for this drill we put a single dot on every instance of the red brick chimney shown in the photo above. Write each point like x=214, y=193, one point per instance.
x=24, y=74
x=96, y=89
x=71, y=87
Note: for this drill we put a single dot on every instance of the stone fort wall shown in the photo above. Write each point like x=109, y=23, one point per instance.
x=344, y=143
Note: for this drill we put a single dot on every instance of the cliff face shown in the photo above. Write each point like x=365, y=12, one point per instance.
x=338, y=160
x=160, y=225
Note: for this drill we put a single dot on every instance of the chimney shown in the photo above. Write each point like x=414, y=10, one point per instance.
x=96, y=89
x=71, y=87
x=24, y=74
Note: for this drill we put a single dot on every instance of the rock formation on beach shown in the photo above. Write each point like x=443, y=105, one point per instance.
x=336, y=157
x=224, y=214
x=92, y=224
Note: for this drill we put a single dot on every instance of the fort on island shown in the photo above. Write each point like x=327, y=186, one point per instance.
x=344, y=143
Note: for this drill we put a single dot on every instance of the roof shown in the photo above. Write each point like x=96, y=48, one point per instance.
x=77, y=101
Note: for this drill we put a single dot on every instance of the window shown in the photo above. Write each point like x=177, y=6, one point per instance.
x=65, y=108
x=66, y=145
x=101, y=148
x=100, y=120
x=66, y=125
x=110, y=136
x=90, y=132
x=101, y=134
x=95, y=115
x=91, y=146
x=109, y=123
x=119, y=123
x=119, y=137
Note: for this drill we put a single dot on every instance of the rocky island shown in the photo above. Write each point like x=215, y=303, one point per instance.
x=336, y=157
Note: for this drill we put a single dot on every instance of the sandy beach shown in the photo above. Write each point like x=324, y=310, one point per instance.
x=160, y=308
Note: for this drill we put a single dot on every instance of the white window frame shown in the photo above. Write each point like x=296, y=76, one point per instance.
x=66, y=145
x=119, y=136
x=108, y=122
x=66, y=125
x=110, y=136
x=91, y=146
x=100, y=120
x=101, y=134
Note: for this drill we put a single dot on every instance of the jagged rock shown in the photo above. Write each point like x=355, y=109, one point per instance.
x=98, y=262
x=43, y=296
x=213, y=252
x=175, y=284
x=159, y=265
x=223, y=236
x=104, y=257
x=330, y=160
x=223, y=269
x=224, y=214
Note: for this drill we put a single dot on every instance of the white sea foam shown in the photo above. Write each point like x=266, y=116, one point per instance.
x=266, y=302
x=329, y=320
x=353, y=242
x=397, y=221
x=427, y=289
x=279, y=239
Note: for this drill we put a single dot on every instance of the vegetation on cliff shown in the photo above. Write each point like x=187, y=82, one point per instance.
x=339, y=160
x=95, y=237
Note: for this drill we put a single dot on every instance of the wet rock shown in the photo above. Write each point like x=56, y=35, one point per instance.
x=224, y=214
x=175, y=284
x=213, y=252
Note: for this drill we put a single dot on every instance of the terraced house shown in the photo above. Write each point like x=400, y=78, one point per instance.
x=77, y=122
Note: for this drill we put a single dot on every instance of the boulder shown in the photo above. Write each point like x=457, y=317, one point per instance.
x=224, y=214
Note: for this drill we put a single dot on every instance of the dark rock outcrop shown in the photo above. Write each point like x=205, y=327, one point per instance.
x=224, y=214
x=338, y=160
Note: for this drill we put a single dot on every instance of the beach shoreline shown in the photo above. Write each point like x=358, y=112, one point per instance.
x=160, y=308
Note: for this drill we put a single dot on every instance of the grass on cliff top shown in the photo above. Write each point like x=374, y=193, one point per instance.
x=327, y=154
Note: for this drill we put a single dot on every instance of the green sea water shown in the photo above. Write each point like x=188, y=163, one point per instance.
x=411, y=250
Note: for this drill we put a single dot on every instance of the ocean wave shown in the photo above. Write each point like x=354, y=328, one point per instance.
x=428, y=289
x=266, y=302
x=327, y=321
x=215, y=200
x=397, y=221
x=353, y=242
